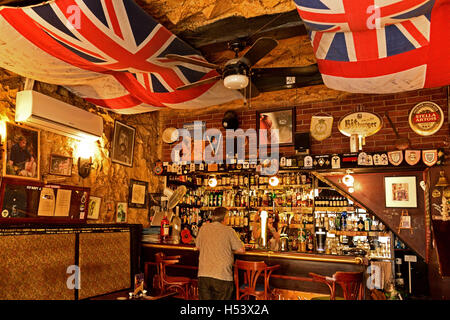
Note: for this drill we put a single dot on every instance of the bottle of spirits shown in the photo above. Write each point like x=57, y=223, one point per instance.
x=360, y=224
x=165, y=228
x=309, y=242
x=367, y=223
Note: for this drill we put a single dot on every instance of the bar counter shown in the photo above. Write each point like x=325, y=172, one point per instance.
x=293, y=273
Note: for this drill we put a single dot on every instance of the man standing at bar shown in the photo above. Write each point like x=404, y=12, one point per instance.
x=217, y=244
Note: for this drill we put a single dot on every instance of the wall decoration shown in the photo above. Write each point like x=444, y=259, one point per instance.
x=401, y=192
x=94, y=207
x=412, y=157
x=282, y=120
x=361, y=123
x=22, y=152
x=321, y=127
x=137, y=197
x=121, y=213
x=405, y=222
x=123, y=144
x=60, y=165
x=429, y=157
x=395, y=157
x=426, y=118
x=358, y=126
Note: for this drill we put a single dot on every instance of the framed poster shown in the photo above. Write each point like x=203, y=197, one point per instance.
x=137, y=197
x=22, y=152
x=121, y=213
x=60, y=165
x=123, y=144
x=94, y=207
x=280, y=120
x=401, y=192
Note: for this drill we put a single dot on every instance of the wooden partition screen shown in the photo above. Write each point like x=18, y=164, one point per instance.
x=37, y=261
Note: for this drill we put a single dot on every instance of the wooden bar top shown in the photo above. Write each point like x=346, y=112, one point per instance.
x=270, y=254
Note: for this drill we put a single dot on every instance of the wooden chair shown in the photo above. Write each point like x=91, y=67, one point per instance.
x=350, y=282
x=167, y=283
x=252, y=270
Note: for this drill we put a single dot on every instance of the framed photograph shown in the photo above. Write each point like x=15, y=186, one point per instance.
x=121, y=212
x=401, y=192
x=123, y=144
x=94, y=207
x=22, y=152
x=137, y=197
x=60, y=165
x=280, y=120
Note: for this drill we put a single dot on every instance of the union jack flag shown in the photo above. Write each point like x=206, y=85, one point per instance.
x=109, y=52
x=377, y=46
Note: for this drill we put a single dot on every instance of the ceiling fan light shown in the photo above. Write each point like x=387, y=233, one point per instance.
x=235, y=81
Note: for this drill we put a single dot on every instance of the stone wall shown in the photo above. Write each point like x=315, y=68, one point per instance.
x=107, y=180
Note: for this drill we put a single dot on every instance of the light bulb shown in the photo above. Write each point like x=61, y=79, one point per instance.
x=273, y=181
x=348, y=180
x=212, y=182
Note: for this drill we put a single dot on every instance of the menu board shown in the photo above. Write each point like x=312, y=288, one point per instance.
x=36, y=201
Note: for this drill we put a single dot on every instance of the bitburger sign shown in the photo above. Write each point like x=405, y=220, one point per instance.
x=426, y=118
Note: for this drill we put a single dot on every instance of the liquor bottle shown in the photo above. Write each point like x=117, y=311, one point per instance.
x=245, y=220
x=227, y=218
x=337, y=222
x=302, y=240
x=367, y=223
x=360, y=224
x=309, y=243
x=344, y=221
x=165, y=228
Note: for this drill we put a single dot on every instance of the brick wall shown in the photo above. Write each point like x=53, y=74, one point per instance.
x=397, y=104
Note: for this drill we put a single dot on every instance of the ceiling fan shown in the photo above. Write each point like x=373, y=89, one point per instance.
x=239, y=73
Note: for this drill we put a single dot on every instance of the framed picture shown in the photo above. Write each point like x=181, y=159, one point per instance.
x=22, y=152
x=281, y=120
x=121, y=213
x=123, y=144
x=60, y=165
x=401, y=192
x=137, y=197
x=94, y=207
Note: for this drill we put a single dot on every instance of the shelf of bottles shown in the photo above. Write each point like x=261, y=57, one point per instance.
x=310, y=219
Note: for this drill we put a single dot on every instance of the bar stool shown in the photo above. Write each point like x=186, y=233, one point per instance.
x=252, y=270
x=166, y=283
x=350, y=282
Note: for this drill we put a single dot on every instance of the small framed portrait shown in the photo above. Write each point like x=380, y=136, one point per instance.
x=276, y=126
x=94, y=207
x=137, y=197
x=401, y=192
x=60, y=165
x=22, y=152
x=121, y=212
x=123, y=144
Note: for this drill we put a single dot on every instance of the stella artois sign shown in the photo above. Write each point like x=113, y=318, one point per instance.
x=321, y=127
x=412, y=157
x=426, y=118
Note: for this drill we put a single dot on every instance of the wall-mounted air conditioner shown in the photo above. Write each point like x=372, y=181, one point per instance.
x=47, y=113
